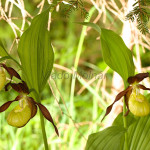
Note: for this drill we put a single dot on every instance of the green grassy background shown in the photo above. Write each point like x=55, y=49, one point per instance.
x=82, y=113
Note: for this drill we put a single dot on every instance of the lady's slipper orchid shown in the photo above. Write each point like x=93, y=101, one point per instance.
x=27, y=107
x=135, y=101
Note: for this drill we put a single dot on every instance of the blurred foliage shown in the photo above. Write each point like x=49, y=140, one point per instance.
x=65, y=35
x=141, y=14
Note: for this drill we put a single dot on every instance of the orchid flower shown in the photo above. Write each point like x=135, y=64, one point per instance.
x=136, y=102
x=27, y=107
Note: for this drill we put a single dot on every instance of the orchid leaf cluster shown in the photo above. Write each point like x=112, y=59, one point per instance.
x=120, y=59
x=36, y=62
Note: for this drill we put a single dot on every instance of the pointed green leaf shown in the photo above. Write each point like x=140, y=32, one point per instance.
x=36, y=53
x=116, y=54
x=94, y=26
x=111, y=138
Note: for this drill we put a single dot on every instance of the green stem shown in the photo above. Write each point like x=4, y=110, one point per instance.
x=125, y=125
x=43, y=131
x=43, y=125
x=125, y=122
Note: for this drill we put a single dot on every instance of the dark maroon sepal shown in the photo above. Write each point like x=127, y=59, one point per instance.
x=47, y=115
x=19, y=87
x=121, y=94
x=11, y=71
x=142, y=87
x=6, y=105
x=137, y=78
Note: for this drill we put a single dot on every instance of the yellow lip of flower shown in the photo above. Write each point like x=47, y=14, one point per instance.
x=21, y=114
x=139, y=98
x=19, y=117
x=138, y=105
x=136, y=101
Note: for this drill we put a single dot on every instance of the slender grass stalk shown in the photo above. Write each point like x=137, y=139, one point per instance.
x=93, y=91
x=95, y=113
x=79, y=49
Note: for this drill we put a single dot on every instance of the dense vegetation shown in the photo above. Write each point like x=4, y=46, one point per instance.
x=81, y=85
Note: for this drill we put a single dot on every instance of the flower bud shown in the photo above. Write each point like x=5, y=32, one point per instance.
x=138, y=104
x=2, y=78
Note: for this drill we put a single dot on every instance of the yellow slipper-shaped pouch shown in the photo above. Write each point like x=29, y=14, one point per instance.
x=19, y=116
x=139, y=105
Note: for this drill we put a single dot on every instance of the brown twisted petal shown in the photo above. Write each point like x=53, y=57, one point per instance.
x=142, y=87
x=34, y=111
x=19, y=87
x=44, y=111
x=7, y=104
x=26, y=89
x=7, y=85
x=137, y=78
x=11, y=71
x=121, y=94
x=47, y=115
x=126, y=101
